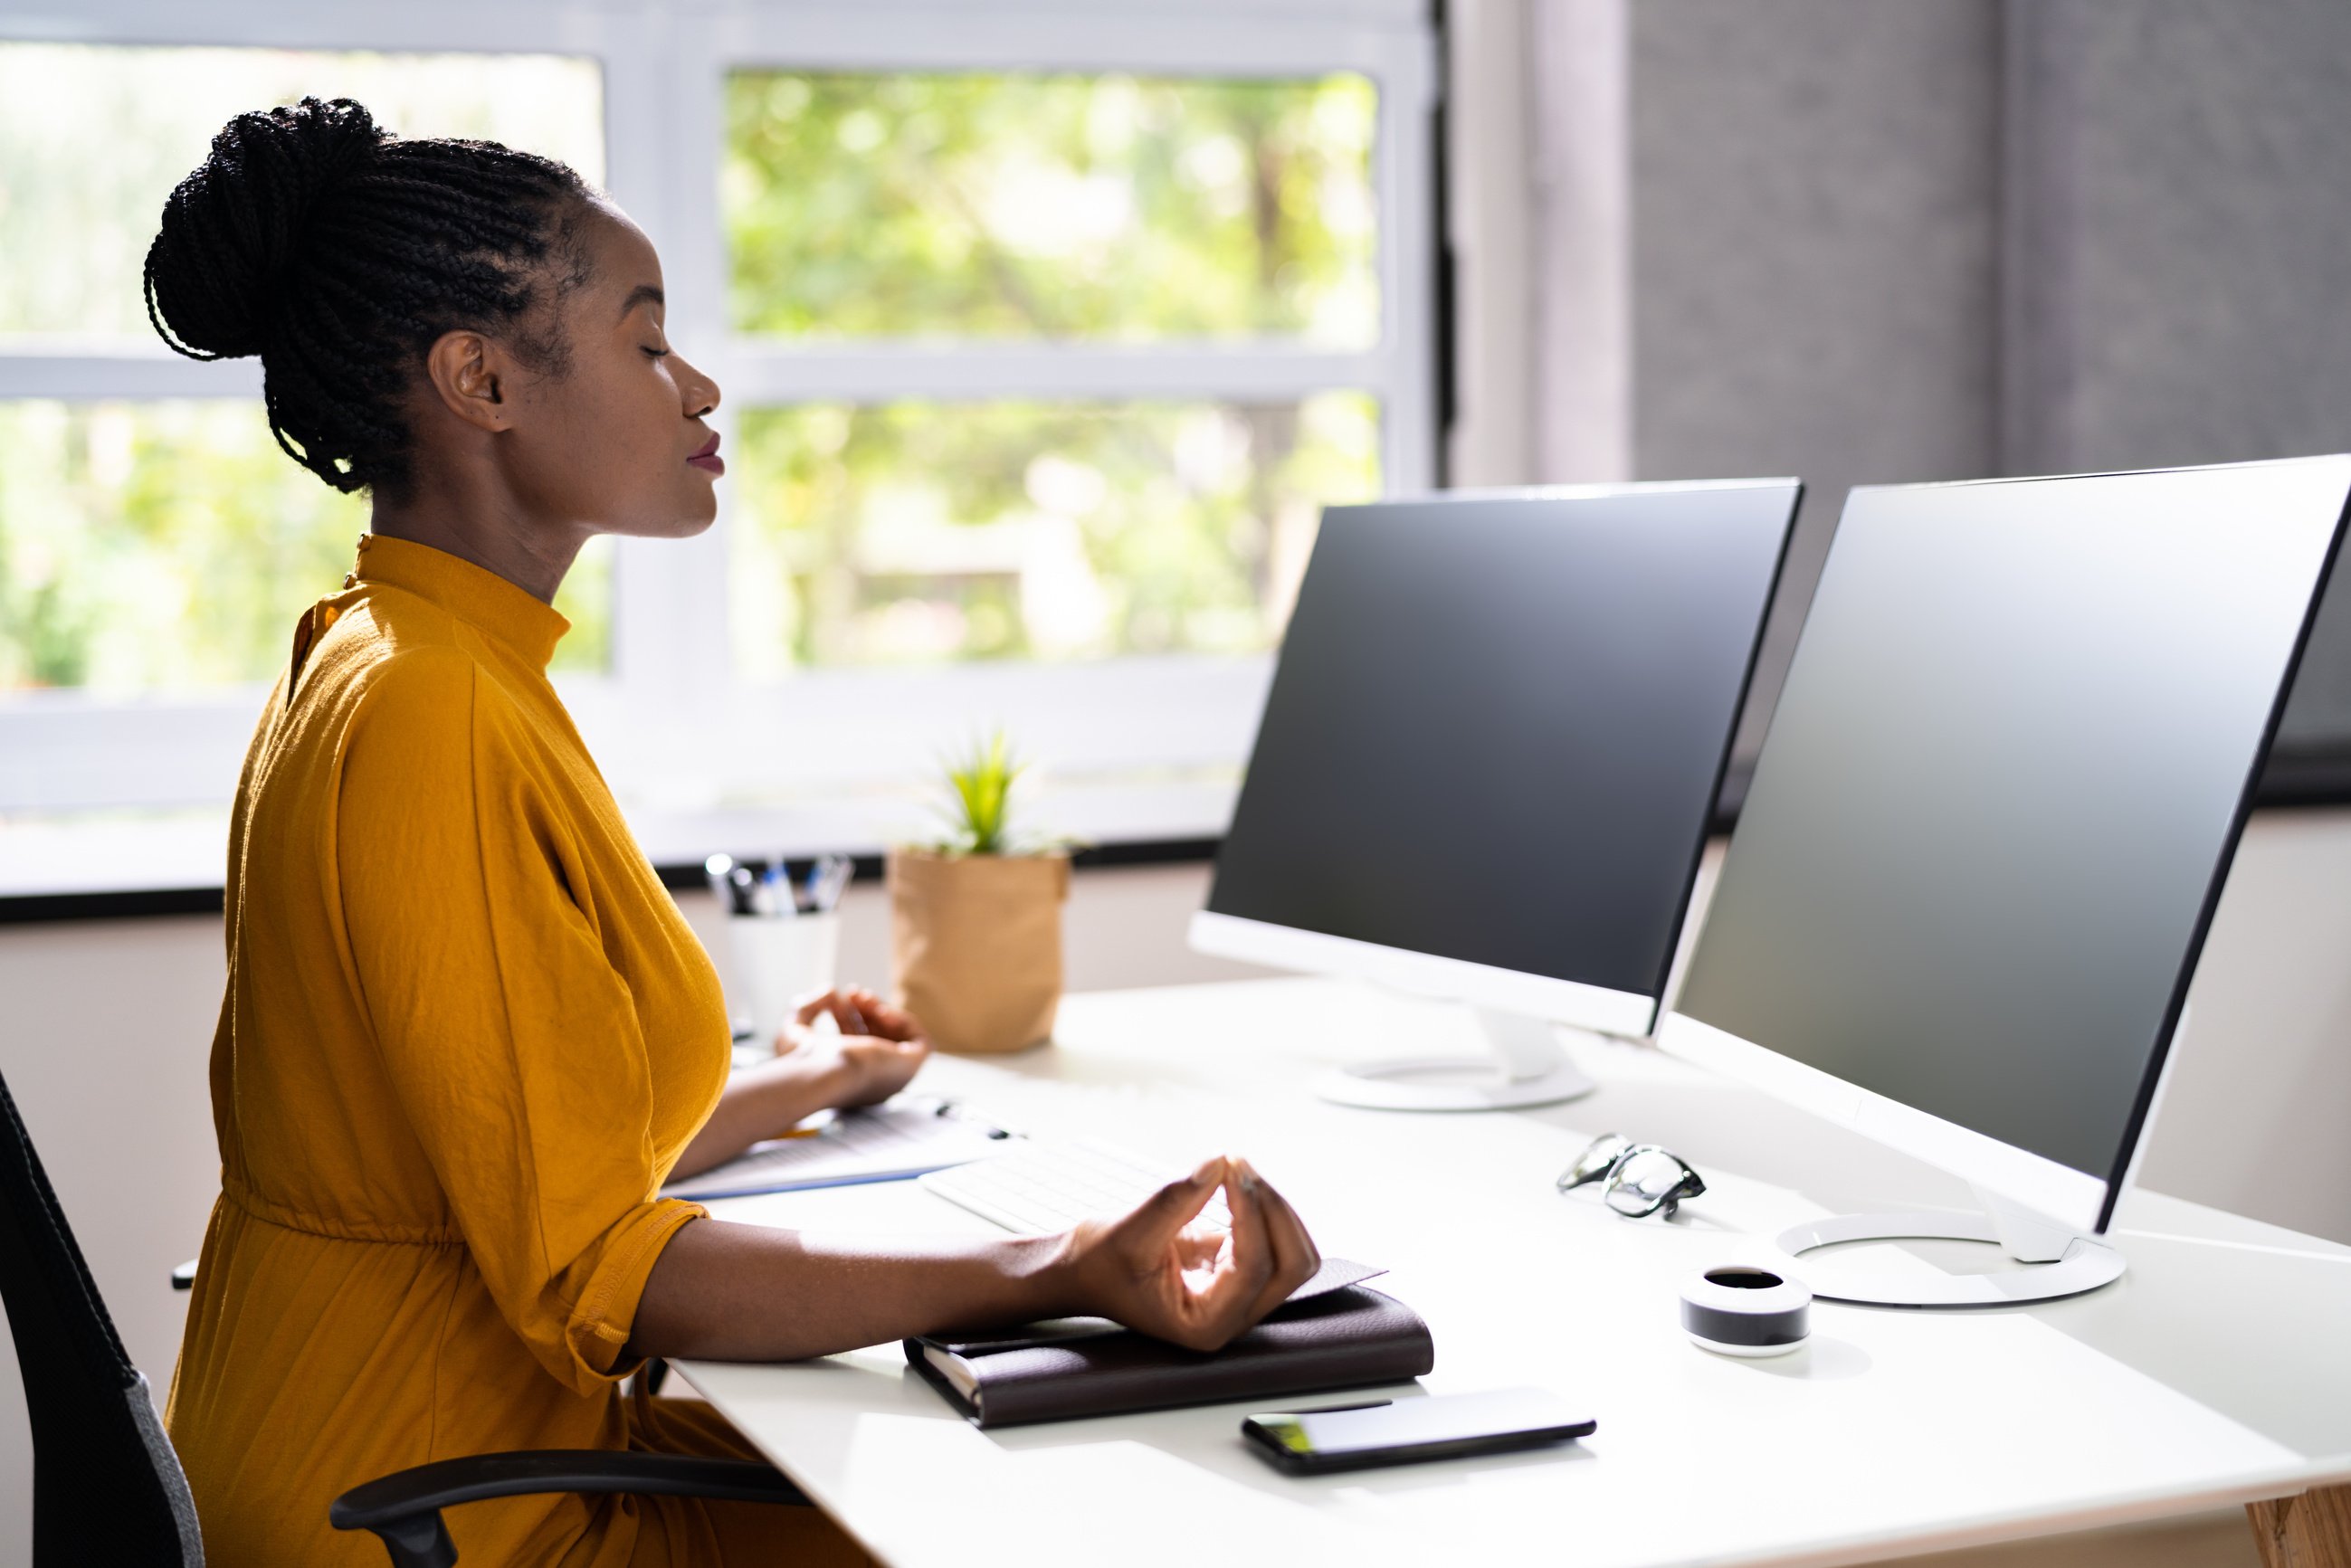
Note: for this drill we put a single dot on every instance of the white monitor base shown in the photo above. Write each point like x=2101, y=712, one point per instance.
x=2057, y=1262
x=1524, y=1065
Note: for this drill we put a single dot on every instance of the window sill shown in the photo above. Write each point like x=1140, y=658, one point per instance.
x=1188, y=825
x=121, y=865
x=132, y=903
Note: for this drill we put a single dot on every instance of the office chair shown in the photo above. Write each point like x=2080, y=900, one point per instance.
x=107, y=1490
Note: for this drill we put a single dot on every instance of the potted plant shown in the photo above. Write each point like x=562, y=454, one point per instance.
x=976, y=918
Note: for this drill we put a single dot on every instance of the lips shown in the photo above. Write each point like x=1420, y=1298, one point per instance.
x=708, y=459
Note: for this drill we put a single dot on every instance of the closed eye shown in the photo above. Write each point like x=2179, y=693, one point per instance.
x=657, y=353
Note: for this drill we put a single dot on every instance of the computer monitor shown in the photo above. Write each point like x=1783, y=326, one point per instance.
x=1489, y=759
x=1990, y=819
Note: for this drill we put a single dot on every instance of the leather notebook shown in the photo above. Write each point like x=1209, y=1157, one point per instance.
x=1332, y=1333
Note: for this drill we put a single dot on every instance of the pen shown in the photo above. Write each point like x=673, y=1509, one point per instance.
x=953, y=1108
x=714, y=871
x=776, y=899
x=828, y=880
x=743, y=889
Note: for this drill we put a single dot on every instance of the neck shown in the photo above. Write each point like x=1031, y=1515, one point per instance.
x=529, y=552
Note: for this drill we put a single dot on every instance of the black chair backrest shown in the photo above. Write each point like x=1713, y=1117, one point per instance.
x=107, y=1487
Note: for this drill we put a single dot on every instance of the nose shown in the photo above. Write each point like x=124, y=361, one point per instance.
x=699, y=391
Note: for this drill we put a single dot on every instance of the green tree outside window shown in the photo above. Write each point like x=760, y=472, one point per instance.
x=1096, y=208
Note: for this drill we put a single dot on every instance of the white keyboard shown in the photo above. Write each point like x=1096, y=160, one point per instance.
x=1037, y=1188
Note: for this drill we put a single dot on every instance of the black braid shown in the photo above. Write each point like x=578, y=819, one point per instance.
x=338, y=252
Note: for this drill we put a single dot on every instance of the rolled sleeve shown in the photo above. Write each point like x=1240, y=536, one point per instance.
x=598, y=1330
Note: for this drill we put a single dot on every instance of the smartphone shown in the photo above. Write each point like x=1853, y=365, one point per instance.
x=1403, y=1431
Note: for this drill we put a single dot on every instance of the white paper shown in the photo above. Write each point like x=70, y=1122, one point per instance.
x=885, y=1143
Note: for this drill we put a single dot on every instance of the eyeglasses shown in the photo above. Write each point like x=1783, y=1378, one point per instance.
x=1640, y=1179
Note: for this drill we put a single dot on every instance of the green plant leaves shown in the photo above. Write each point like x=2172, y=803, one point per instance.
x=980, y=797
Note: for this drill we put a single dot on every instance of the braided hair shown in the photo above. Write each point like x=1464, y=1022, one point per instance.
x=338, y=252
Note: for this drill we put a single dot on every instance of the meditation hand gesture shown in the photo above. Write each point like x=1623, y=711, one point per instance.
x=1161, y=1270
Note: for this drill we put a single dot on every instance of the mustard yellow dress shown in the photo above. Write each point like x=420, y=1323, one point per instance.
x=465, y=1036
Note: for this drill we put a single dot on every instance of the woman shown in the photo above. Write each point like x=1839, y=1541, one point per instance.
x=466, y=1035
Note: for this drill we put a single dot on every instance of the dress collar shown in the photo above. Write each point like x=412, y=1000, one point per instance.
x=480, y=598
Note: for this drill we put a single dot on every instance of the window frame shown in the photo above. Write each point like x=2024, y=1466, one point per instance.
x=1143, y=747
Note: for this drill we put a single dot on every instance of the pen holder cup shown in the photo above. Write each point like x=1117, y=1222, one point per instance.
x=773, y=961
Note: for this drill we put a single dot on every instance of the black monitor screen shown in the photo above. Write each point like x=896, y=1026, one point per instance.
x=2004, y=779
x=1498, y=725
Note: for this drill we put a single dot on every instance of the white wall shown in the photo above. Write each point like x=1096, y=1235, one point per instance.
x=2252, y=1120
x=105, y=1027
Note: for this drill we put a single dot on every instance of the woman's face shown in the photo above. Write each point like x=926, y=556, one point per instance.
x=613, y=439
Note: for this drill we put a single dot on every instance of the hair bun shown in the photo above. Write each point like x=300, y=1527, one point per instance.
x=232, y=229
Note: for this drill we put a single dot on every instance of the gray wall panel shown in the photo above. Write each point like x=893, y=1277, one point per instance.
x=1815, y=190
x=1946, y=238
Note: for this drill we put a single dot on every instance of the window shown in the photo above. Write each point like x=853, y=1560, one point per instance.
x=1044, y=338
x=1106, y=207
x=92, y=138
x=917, y=532
x=1078, y=208
x=160, y=546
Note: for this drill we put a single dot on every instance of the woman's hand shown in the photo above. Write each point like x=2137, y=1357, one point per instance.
x=879, y=1049
x=714, y=1291
x=1159, y=1270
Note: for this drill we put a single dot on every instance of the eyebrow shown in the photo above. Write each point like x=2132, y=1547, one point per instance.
x=641, y=294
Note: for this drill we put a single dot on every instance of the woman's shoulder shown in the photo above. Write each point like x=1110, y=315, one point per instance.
x=396, y=679
x=386, y=689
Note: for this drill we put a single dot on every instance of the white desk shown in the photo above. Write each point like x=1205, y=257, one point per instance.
x=2216, y=1372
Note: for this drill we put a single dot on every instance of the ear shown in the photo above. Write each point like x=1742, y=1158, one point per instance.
x=473, y=376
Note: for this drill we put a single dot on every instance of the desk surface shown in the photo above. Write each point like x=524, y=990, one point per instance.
x=2213, y=1372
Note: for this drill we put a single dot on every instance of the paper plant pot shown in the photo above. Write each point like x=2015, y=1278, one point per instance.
x=976, y=946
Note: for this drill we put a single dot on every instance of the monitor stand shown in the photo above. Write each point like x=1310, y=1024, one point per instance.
x=2060, y=1262
x=1523, y=1065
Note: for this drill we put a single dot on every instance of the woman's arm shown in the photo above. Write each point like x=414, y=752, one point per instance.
x=879, y=1051
x=747, y=1292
